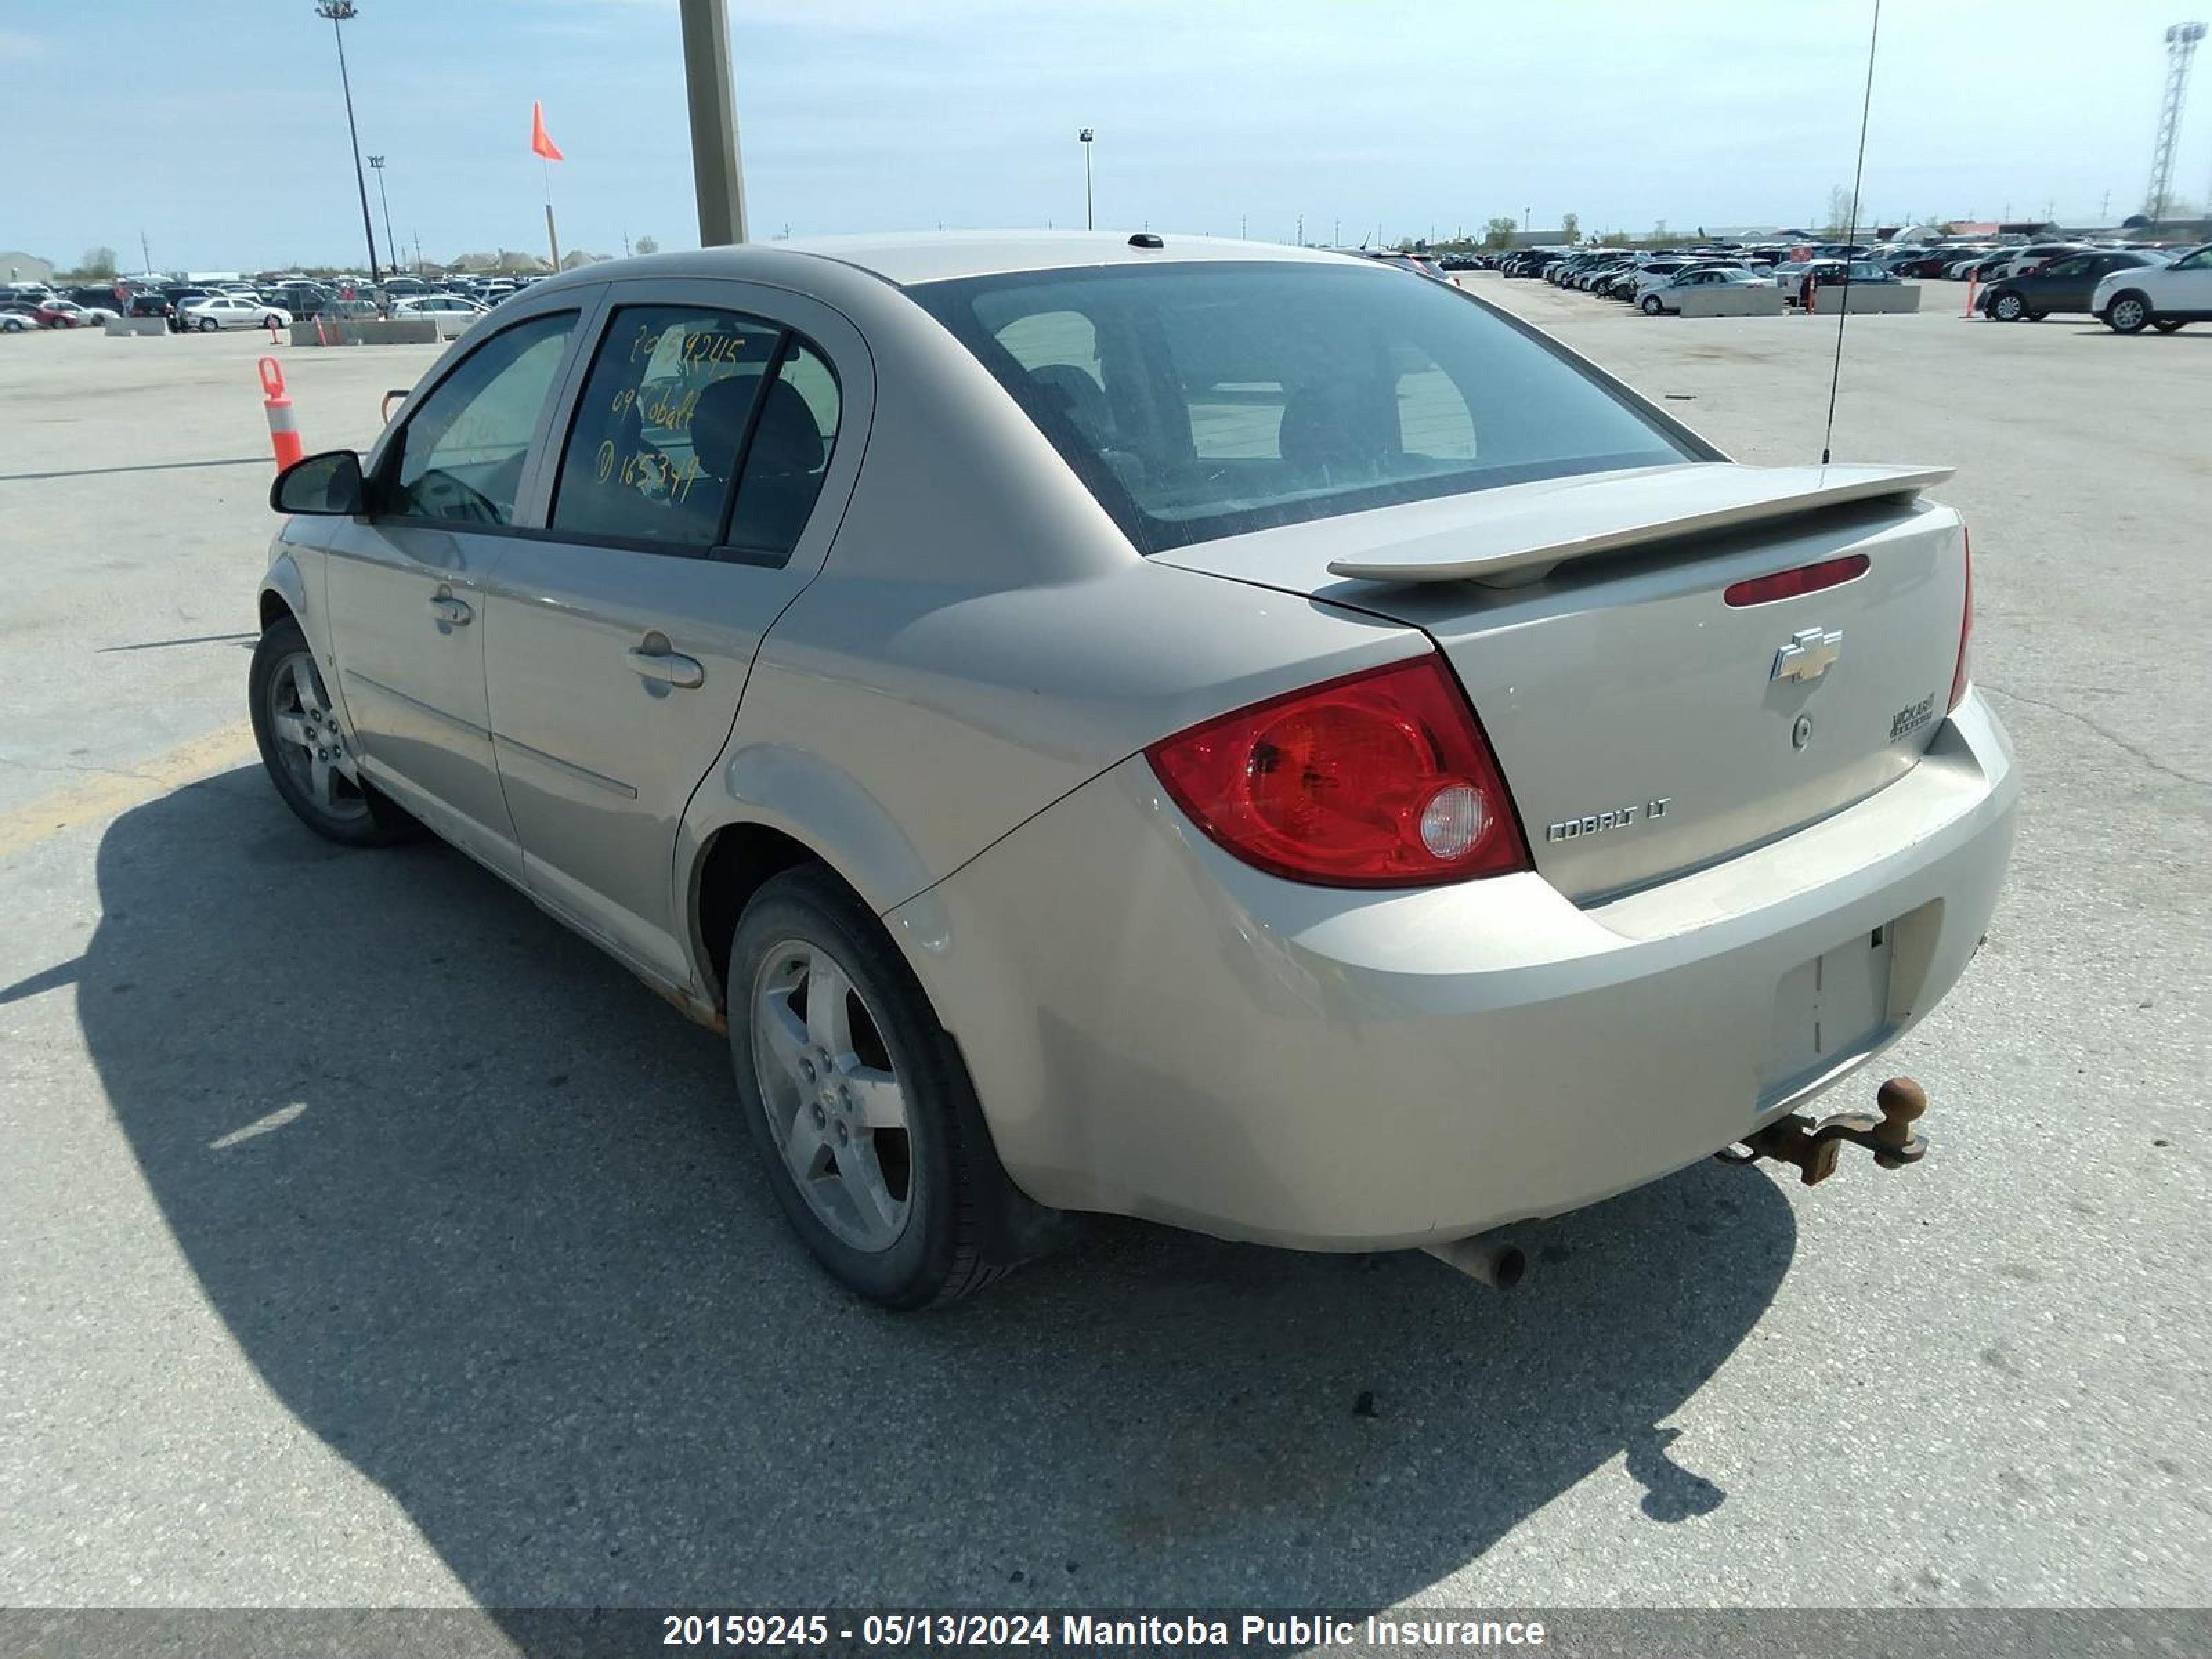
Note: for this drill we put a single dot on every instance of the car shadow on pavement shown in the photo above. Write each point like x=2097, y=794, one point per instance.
x=477, y=1208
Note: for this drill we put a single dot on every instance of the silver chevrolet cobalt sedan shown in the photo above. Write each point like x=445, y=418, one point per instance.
x=1222, y=733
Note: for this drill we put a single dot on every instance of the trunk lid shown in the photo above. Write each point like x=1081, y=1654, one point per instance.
x=1644, y=726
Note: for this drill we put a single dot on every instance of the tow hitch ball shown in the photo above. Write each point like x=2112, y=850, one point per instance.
x=1814, y=1147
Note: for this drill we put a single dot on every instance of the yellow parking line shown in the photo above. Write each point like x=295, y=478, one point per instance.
x=103, y=796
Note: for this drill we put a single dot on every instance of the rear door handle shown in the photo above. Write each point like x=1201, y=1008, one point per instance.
x=670, y=667
x=447, y=609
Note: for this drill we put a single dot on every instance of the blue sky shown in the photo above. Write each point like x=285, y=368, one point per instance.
x=216, y=127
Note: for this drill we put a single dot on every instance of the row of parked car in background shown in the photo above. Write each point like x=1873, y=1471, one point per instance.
x=277, y=302
x=1655, y=280
x=2129, y=285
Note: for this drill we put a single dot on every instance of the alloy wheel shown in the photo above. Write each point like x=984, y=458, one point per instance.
x=834, y=1103
x=309, y=744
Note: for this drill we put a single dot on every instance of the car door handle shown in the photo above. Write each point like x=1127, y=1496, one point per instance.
x=447, y=609
x=670, y=667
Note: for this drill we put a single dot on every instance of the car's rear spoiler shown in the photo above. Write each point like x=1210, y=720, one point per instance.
x=1518, y=533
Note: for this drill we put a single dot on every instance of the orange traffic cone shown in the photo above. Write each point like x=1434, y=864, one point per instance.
x=283, y=425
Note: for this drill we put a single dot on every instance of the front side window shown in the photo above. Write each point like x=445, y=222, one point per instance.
x=460, y=456
x=1203, y=400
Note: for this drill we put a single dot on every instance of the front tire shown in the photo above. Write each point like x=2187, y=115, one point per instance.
x=305, y=752
x=2128, y=313
x=858, y=1099
x=2009, y=308
x=1651, y=306
x=2167, y=325
x=207, y=326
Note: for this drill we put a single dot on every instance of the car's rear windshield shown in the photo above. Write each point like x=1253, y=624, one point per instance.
x=1201, y=400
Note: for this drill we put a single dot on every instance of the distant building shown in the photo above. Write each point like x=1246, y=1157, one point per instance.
x=2136, y=227
x=1541, y=238
x=506, y=263
x=20, y=267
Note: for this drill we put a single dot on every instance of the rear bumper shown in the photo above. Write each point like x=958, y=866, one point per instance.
x=1156, y=1030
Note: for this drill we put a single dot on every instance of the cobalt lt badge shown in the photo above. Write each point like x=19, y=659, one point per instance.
x=1807, y=655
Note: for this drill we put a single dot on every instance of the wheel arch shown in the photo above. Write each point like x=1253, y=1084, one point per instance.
x=734, y=862
x=769, y=805
x=282, y=595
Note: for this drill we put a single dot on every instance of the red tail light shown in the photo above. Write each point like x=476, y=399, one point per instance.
x=1381, y=779
x=1959, y=679
x=1805, y=579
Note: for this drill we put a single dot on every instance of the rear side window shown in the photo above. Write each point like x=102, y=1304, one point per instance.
x=788, y=455
x=693, y=420
x=461, y=454
x=1204, y=400
x=657, y=433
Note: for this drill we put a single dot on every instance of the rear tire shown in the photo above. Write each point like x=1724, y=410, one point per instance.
x=861, y=1109
x=2128, y=313
x=2167, y=325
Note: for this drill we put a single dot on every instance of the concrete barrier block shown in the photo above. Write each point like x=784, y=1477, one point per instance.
x=1733, y=300
x=130, y=328
x=1869, y=299
x=367, y=332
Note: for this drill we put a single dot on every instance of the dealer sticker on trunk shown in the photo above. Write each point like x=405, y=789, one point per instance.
x=1907, y=720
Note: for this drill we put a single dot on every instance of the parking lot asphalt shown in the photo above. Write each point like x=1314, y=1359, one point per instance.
x=369, y=1240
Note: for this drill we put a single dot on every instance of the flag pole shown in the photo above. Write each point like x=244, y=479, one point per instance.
x=552, y=236
x=547, y=153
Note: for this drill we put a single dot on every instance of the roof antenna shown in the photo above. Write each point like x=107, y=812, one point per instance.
x=1851, y=238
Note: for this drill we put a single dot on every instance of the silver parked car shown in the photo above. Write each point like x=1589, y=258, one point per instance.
x=1194, y=730
x=214, y=311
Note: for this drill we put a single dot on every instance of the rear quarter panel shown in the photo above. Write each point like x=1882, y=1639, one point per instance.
x=982, y=639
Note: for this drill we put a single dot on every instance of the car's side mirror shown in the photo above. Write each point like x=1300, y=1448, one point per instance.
x=329, y=483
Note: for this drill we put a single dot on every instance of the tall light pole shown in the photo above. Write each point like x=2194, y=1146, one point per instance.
x=717, y=174
x=341, y=11
x=390, y=242
x=1084, y=136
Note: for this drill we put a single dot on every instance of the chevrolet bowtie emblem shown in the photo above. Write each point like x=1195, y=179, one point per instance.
x=1807, y=655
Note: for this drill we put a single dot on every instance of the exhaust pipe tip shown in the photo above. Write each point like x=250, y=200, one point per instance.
x=1508, y=1266
x=1486, y=1261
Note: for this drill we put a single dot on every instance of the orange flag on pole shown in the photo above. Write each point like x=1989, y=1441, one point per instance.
x=540, y=143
